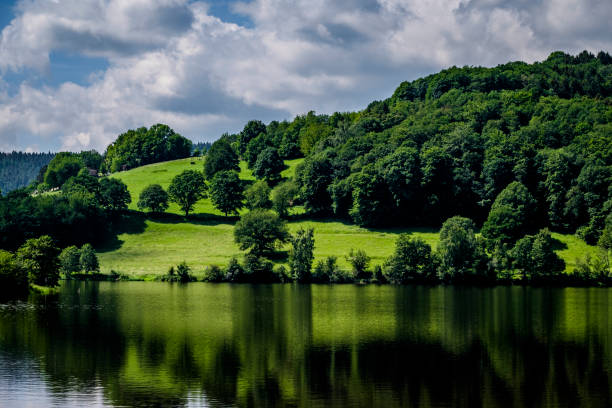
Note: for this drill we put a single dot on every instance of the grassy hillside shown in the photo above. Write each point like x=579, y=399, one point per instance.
x=151, y=246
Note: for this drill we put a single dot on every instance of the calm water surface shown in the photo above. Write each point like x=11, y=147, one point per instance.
x=158, y=344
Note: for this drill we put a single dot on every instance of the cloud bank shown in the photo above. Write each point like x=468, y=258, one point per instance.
x=171, y=61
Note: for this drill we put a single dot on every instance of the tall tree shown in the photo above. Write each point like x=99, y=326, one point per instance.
x=221, y=156
x=259, y=231
x=186, y=189
x=226, y=192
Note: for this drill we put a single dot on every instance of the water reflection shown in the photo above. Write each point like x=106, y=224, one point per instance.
x=157, y=344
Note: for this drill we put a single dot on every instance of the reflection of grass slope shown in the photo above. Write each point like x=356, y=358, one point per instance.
x=208, y=237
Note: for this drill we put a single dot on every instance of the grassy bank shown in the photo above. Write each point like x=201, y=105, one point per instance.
x=150, y=245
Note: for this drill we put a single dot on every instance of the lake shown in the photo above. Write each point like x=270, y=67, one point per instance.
x=161, y=344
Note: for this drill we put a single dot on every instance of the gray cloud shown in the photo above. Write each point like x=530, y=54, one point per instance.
x=170, y=61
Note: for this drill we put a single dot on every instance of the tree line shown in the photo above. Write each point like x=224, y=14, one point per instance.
x=19, y=169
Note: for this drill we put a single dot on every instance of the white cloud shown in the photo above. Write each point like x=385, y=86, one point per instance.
x=172, y=62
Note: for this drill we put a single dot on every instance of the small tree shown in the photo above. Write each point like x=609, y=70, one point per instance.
x=411, y=260
x=269, y=165
x=89, y=259
x=69, y=260
x=226, y=192
x=260, y=231
x=39, y=257
x=153, y=197
x=283, y=197
x=534, y=256
x=186, y=189
x=182, y=271
x=301, y=254
x=462, y=255
x=258, y=195
x=360, y=261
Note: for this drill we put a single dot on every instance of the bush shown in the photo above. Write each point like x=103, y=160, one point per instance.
x=327, y=271
x=258, y=269
x=360, y=261
x=182, y=271
x=213, y=273
x=234, y=272
x=411, y=260
x=535, y=258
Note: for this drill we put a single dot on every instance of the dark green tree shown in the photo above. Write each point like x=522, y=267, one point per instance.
x=269, y=165
x=220, y=157
x=70, y=260
x=535, y=258
x=251, y=130
x=226, y=192
x=260, y=231
x=39, y=257
x=511, y=216
x=186, y=189
x=13, y=277
x=114, y=194
x=154, y=198
x=462, y=255
x=301, y=254
x=412, y=259
x=360, y=262
x=89, y=259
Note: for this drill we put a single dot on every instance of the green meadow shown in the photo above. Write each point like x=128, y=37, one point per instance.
x=147, y=246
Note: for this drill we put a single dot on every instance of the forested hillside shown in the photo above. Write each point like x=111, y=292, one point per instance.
x=451, y=143
x=18, y=169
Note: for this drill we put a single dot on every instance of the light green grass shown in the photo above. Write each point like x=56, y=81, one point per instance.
x=163, y=173
x=151, y=247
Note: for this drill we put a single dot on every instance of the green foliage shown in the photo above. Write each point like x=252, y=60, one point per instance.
x=39, y=256
x=186, y=189
x=154, y=198
x=114, y=195
x=226, y=192
x=213, y=273
x=183, y=272
x=258, y=269
x=360, y=262
x=511, y=216
x=70, y=260
x=412, y=260
x=88, y=259
x=258, y=195
x=13, y=276
x=143, y=146
x=462, y=255
x=269, y=165
x=259, y=231
x=63, y=166
x=220, y=157
x=301, y=254
x=234, y=272
x=535, y=258
x=283, y=197
x=327, y=271
x=251, y=130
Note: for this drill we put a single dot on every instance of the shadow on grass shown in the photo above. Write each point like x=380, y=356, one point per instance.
x=349, y=223
x=558, y=245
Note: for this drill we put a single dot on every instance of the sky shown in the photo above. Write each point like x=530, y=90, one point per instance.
x=74, y=74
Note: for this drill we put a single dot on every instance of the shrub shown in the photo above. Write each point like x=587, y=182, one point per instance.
x=234, y=272
x=360, y=262
x=327, y=271
x=213, y=273
x=88, y=259
x=411, y=260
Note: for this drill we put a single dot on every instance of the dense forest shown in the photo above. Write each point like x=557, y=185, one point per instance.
x=511, y=152
x=19, y=169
